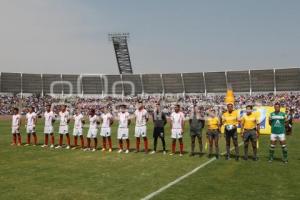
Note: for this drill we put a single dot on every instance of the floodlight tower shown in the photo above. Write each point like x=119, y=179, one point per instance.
x=121, y=50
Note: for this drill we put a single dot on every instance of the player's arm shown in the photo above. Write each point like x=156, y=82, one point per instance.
x=164, y=118
x=147, y=116
x=111, y=120
x=242, y=122
x=182, y=124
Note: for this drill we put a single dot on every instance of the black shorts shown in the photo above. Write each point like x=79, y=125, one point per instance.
x=158, y=132
x=231, y=134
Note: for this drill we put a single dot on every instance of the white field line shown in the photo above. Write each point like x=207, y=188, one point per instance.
x=151, y=195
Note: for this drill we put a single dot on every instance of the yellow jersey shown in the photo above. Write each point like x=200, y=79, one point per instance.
x=230, y=118
x=250, y=121
x=212, y=123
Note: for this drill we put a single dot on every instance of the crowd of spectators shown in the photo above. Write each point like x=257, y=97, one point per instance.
x=7, y=103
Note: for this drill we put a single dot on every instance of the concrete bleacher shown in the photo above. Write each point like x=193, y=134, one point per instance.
x=239, y=80
x=267, y=80
x=55, y=81
x=262, y=80
x=91, y=85
x=193, y=82
x=172, y=83
x=32, y=83
x=135, y=79
x=72, y=80
x=152, y=83
x=215, y=82
x=287, y=79
x=114, y=81
x=11, y=83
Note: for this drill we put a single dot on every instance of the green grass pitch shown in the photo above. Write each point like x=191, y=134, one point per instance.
x=37, y=173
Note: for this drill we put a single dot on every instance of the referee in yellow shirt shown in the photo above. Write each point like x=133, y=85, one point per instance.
x=213, y=132
x=230, y=121
x=250, y=131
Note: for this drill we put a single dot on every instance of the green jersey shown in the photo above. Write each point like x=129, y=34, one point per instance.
x=277, y=122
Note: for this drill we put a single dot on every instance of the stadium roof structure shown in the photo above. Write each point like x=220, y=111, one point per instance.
x=249, y=81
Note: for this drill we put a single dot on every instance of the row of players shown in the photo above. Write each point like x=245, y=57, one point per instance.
x=249, y=126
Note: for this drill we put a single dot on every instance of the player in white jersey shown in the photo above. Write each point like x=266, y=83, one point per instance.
x=177, y=128
x=93, y=130
x=141, y=118
x=16, y=123
x=78, y=127
x=107, y=121
x=64, y=119
x=124, y=121
x=31, y=119
x=49, y=117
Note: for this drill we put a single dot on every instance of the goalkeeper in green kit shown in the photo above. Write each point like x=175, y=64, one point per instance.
x=277, y=122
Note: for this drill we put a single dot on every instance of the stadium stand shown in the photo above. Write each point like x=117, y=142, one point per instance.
x=152, y=83
x=268, y=80
x=55, y=81
x=137, y=82
x=239, y=80
x=11, y=83
x=172, y=83
x=215, y=82
x=91, y=84
x=114, y=80
x=287, y=79
x=193, y=82
x=72, y=80
x=262, y=80
x=32, y=83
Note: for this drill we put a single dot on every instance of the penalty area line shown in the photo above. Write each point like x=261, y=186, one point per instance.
x=151, y=195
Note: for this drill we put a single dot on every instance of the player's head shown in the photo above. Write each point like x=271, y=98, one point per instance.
x=77, y=111
x=48, y=108
x=31, y=109
x=92, y=112
x=212, y=113
x=105, y=109
x=249, y=109
x=123, y=108
x=140, y=105
x=291, y=111
x=158, y=106
x=230, y=107
x=16, y=111
x=277, y=107
x=177, y=108
x=63, y=108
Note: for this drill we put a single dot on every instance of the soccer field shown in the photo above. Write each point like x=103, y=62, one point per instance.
x=37, y=173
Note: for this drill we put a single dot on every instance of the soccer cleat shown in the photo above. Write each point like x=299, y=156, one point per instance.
x=285, y=161
x=245, y=157
x=25, y=145
x=34, y=145
x=103, y=149
x=74, y=148
x=255, y=158
x=93, y=150
x=127, y=151
x=58, y=147
x=171, y=154
x=86, y=149
x=227, y=158
x=164, y=152
x=52, y=146
x=270, y=160
x=153, y=152
x=68, y=147
x=192, y=154
x=120, y=151
x=43, y=146
x=19, y=144
x=110, y=150
x=237, y=158
x=180, y=154
x=13, y=144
